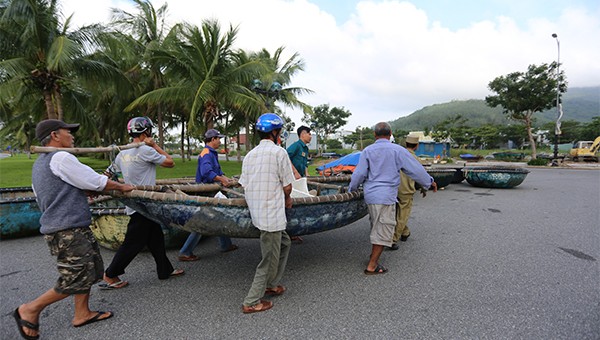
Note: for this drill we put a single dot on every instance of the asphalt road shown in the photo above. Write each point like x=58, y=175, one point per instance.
x=518, y=263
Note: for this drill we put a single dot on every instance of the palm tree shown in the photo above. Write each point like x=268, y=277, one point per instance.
x=40, y=60
x=207, y=74
x=279, y=71
x=147, y=28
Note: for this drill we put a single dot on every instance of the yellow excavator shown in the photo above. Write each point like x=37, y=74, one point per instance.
x=585, y=150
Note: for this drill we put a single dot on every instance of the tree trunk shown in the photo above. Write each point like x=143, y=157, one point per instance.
x=189, y=147
x=58, y=101
x=530, y=135
x=182, y=151
x=161, y=129
x=238, y=147
x=226, y=129
x=50, y=112
x=247, y=126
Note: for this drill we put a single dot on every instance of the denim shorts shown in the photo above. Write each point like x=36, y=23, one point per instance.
x=78, y=260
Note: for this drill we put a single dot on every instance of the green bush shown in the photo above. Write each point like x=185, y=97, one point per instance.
x=538, y=161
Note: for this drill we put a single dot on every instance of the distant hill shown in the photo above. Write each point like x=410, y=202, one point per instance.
x=579, y=104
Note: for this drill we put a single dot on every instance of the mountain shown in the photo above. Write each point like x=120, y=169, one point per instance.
x=579, y=103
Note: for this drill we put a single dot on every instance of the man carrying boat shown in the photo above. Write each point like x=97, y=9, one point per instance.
x=406, y=190
x=60, y=183
x=267, y=178
x=138, y=167
x=378, y=170
x=208, y=171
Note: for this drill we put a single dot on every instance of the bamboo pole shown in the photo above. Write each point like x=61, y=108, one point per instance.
x=233, y=192
x=47, y=149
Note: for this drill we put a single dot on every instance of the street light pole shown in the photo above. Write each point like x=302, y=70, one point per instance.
x=557, y=131
x=361, y=140
x=271, y=93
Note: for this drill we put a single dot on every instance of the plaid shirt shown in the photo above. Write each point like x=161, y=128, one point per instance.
x=265, y=171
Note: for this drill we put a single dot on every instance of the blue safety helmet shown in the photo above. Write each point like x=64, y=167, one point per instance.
x=139, y=125
x=269, y=122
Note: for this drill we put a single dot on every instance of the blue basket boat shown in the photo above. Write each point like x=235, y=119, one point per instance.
x=192, y=207
x=495, y=177
x=19, y=213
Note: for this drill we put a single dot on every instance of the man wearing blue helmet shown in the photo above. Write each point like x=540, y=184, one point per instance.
x=267, y=178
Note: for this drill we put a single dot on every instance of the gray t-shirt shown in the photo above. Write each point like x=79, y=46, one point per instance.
x=138, y=166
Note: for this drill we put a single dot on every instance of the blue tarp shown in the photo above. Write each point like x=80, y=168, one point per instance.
x=348, y=160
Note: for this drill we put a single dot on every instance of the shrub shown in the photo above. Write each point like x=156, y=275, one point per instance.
x=538, y=161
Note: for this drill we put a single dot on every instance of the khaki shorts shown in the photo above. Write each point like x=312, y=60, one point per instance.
x=383, y=223
x=78, y=260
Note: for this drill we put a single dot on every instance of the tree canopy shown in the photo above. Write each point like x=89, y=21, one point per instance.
x=521, y=94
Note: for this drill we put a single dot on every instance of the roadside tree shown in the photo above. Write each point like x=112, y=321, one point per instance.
x=325, y=120
x=523, y=94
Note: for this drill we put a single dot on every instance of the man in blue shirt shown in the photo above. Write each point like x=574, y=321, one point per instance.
x=298, y=152
x=378, y=170
x=208, y=171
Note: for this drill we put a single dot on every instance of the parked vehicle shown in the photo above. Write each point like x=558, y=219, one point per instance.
x=585, y=150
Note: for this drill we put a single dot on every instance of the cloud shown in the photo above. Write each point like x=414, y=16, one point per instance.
x=389, y=58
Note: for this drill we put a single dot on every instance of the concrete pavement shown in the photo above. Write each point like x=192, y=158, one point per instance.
x=480, y=263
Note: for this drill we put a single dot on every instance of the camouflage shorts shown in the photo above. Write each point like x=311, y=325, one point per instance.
x=78, y=260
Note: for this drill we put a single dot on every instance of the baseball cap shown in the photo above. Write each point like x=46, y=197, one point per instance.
x=211, y=133
x=45, y=127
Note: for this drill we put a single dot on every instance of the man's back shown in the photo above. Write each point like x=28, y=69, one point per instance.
x=139, y=165
x=265, y=171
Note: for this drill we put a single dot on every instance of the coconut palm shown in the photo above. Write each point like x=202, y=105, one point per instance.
x=279, y=76
x=207, y=74
x=147, y=27
x=41, y=60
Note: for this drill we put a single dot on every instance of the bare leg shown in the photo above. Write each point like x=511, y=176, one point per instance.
x=31, y=311
x=82, y=309
x=374, y=260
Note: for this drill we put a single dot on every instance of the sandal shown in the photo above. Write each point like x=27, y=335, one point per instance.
x=275, y=291
x=25, y=324
x=230, y=248
x=378, y=270
x=177, y=272
x=262, y=306
x=188, y=258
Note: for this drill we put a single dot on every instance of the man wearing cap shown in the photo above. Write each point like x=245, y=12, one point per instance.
x=208, y=171
x=406, y=191
x=378, y=170
x=60, y=183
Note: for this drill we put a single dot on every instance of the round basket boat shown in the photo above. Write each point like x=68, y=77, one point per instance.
x=109, y=226
x=442, y=177
x=458, y=177
x=495, y=177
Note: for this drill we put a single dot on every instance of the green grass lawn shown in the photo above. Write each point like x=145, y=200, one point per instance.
x=16, y=171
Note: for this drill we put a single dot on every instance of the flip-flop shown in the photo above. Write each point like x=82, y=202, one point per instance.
x=378, y=270
x=24, y=323
x=96, y=318
x=112, y=286
x=188, y=258
x=177, y=272
x=230, y=248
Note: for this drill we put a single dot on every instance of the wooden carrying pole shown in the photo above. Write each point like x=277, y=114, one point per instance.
x=47, y=149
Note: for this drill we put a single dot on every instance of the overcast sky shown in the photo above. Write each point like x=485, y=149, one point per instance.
x=382, y=60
